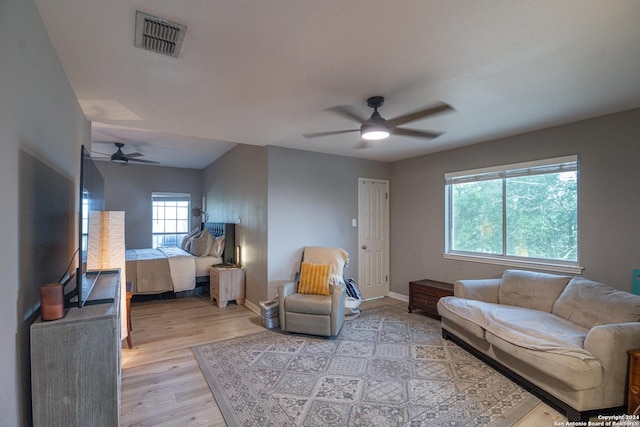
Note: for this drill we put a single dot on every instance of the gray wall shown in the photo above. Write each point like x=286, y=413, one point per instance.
x=129, y=188
x=41, y=130
x=609, y=240
x=285, y=200
x=312, y=199
x=236, y=188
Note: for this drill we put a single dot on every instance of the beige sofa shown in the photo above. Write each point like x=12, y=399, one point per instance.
x=564, y=338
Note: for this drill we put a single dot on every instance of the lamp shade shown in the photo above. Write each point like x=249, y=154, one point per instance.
x=106, y=246
x=106, y=251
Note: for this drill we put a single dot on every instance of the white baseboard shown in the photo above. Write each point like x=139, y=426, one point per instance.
x=251, y=306
x=398, y=296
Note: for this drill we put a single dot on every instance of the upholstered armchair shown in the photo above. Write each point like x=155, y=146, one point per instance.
x=315, y=303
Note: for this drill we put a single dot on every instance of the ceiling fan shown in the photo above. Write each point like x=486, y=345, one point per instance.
x=120, y=157
x=376, y=127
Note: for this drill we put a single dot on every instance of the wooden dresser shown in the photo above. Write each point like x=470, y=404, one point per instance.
x=76, y=362
x=424, y=294
x=634, y=381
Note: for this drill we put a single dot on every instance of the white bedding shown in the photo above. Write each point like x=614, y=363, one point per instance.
x=204, y=263
x=183, y=268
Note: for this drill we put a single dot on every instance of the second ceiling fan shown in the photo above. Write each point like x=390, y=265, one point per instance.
x=123, y=159
x=376, y=127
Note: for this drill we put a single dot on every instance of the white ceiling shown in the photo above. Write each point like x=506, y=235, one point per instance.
x=265, y=72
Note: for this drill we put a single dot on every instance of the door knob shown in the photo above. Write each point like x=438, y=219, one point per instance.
x=364, y=247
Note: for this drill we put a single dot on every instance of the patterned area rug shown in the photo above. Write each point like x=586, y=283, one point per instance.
x=386, y=368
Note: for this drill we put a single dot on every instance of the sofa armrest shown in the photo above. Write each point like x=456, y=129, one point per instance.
x=609, y=344
x=284, y=290
x=339, y=292
x=482, y=290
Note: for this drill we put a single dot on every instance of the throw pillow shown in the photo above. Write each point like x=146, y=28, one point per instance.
x=218, y=247
x=314, y=278
x=188, y=237
x=200, y=244
x=210, y=242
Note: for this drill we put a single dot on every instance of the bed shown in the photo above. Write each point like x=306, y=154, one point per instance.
x=175, y=270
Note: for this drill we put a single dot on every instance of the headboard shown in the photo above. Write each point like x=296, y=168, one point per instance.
x=228, y=230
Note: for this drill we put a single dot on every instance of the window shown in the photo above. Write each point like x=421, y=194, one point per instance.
x=170, y=218
x=515, y=214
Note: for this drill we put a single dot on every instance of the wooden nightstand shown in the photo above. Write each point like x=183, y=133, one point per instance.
x=424, y=294
x=633, y=395
x=226, y=284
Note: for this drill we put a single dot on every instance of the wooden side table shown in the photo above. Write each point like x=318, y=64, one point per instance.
x=633, y=394
x=424, y=294
x=226, y=284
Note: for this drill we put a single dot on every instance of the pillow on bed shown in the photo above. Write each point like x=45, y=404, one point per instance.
x=218, y=247
x=209, y=245
x=187, y=238
x=200, y=243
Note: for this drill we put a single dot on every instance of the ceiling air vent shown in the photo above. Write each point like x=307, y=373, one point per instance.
x=158, y=35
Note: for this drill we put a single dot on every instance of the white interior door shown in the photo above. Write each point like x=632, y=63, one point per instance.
x=373, y=237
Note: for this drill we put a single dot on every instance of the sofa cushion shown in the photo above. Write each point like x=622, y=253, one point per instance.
x=588, y=304
x=450, y=312
x=529, y=289
x=532, y=329
x=308, y=304
x=579, y=374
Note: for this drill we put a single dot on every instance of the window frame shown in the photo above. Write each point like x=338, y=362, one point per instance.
x=156, y=196
x=553, y=165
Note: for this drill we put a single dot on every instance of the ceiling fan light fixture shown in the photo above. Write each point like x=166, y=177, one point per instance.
x=376, y=128
x=372, y=130
x=118, y=156
x=375, y=135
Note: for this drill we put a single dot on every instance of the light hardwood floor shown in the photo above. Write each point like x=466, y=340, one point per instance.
x=162, y=384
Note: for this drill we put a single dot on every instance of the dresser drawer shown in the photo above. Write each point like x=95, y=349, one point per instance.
x=425, y=294
x=424, y=300
x=431, y=293
x=633, y=395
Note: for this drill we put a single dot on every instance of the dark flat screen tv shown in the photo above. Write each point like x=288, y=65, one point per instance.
x=91, y=199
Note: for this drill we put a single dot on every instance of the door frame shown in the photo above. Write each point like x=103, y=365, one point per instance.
x=386, y=227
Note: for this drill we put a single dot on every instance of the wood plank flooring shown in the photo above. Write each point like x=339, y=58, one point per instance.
x=162, y=384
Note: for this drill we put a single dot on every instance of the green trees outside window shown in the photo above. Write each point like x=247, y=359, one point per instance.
x=520, y=211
